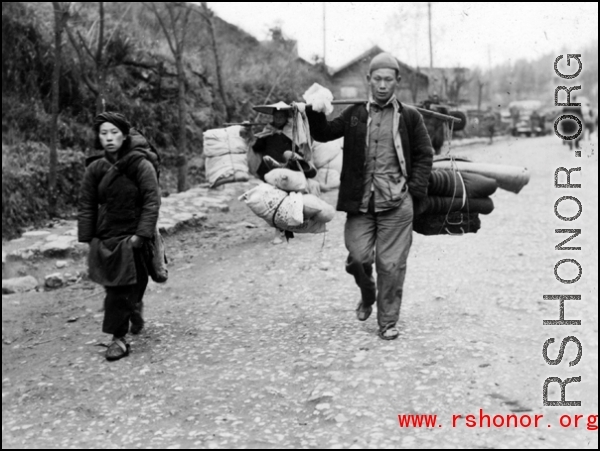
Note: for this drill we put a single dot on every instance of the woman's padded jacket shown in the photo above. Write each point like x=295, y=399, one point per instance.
x=123, y=199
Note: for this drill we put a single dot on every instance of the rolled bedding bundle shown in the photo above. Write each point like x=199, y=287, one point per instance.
x=450, y=224
x=509, y=178
x=443, y=205
x=449, y=183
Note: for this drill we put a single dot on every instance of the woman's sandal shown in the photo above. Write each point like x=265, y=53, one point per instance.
x=390, y=333
x=117, y=350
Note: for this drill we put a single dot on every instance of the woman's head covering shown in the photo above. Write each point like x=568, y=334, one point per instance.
x=117, y=119
x=270, y=109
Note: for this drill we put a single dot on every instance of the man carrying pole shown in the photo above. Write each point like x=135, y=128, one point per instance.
x=387, y=161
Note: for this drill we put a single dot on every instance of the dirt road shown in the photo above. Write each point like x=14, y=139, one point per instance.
x=252, y=345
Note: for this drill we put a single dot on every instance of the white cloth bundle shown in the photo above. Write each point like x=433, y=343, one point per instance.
x=329, y=179
x=308, y=226
x=290, y=212
x=320, y=98
x=226, y=156
x=224, y=141
x=318, y=209
x=287, y=211
x=263, y=200
x=287, y=180
x=329, y=155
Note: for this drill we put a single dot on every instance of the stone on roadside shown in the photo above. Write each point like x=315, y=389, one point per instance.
x=341, y=419
x=58, y=248
x=19, y=285
x=167, y=227
x=61, y=264
x=28, y=253
x=54, y=281
x=36, y=234
x=72, y=278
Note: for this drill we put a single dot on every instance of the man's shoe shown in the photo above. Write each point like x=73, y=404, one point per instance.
x=389, y=334
x=363, y=311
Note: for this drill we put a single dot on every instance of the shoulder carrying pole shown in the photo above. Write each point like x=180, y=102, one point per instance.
x=423, y=111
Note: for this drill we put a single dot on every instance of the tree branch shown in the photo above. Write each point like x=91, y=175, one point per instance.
x=75, y=46
x=99, y=51
x=85, y=46
x=152, y=6
x=118, y=26
x=140, y=65
x=184, y=29
x=171, y=11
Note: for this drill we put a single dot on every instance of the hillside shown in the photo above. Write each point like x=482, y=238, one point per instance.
x=141, y=82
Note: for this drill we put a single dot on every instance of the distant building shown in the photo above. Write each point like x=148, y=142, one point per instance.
x=350, y=80
x=449, y=83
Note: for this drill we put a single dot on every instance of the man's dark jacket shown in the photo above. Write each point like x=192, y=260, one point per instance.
x=352, y=126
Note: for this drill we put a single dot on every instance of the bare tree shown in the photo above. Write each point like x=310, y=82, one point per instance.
x=61, y=15
x=208, y=15
x=413, y=85
x=92, y=54
x=173, y=18
x=459, y=79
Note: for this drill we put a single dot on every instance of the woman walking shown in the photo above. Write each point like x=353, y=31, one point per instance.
x=118, y=212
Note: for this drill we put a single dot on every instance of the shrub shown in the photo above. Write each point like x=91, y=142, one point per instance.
x=25, y=186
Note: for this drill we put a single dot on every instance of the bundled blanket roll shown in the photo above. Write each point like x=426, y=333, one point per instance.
x=451, y=224
x=443, y=205
x=448, y=183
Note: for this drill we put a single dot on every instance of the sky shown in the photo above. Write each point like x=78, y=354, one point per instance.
x=464, y=34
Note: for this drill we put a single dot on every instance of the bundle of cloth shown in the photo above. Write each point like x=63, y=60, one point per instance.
x=450, y=224
x=454, y=202
x=509, y=178
x=226, y=156
x=328, y=159
x=459, y=191
x=287, y=203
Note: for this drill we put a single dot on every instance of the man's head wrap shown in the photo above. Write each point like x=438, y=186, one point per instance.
x=384, y=61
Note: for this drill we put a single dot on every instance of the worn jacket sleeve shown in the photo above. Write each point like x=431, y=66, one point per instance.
x=88, y=206
x=421, y=157
x=323, y=130
x=150, y=193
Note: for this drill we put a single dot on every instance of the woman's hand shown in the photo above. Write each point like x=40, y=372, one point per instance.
x=137, y=242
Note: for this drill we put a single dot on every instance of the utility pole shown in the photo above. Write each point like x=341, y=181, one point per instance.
x=430, y=39
x=324, y=36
